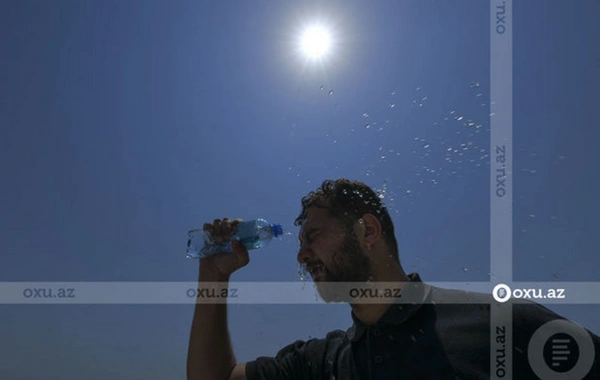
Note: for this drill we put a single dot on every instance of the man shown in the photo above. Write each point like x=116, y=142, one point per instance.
x=420, y=332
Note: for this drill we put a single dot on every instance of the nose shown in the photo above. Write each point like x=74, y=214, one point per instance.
x=304, y=255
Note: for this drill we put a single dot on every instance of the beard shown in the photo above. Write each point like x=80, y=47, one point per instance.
x=349, y=264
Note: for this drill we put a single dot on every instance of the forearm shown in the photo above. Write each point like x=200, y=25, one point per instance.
x=210, y=354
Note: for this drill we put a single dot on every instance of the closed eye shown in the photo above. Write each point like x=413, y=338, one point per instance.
x=310, y=236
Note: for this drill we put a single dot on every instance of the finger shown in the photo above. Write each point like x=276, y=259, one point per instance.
x=218, y=231
x=243, y=258
x=208, y=227
x=226, y=228
x=234, y=224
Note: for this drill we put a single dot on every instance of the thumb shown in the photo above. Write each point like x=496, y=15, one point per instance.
x=241, y=251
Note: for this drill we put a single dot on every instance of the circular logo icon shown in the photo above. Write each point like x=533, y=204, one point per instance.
x=561, y=350
x=501, y=292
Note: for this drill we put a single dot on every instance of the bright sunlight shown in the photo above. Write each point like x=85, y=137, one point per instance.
x=315, y=42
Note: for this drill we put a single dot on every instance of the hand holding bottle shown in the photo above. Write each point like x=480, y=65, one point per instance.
x=224, y=263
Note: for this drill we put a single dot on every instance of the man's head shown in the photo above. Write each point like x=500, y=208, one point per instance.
x=330, y=218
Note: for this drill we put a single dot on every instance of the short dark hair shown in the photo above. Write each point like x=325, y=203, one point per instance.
x=347, y=201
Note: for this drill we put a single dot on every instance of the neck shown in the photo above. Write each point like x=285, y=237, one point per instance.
x=389, y=272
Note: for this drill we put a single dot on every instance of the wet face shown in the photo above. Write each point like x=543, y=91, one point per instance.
x=330, y=254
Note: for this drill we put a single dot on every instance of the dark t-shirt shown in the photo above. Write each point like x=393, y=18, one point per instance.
x=435, y=333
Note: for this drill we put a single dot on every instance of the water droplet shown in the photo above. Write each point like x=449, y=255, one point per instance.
x=556, y=275
x=302, y=272
x=407, y=192
x=426, y=146
x=367, y=126
x=391, y=338
x=465, y=269
x=532, y=215
x=331, y=92
x=392, y=105
x=474, y=85
x=322, y=88
x=365, y=115
x=413, y=338
x=459, y=118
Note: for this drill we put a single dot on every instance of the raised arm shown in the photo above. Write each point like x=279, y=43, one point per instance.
x=210, y=354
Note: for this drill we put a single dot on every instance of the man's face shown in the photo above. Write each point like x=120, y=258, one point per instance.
x=330, y=253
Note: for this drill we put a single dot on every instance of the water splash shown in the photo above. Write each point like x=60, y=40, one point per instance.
x=303, y=274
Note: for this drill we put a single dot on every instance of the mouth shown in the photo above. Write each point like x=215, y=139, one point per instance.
x=316, y=271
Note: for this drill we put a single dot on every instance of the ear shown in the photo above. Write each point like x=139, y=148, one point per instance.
x=369, y=229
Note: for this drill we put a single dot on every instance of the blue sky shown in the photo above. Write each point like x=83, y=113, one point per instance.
x=126, y=123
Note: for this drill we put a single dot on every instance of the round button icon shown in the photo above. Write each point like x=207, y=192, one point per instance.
x=561, y=350
x=501, y=293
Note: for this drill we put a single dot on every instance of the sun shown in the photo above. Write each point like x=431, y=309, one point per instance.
x=315, y=42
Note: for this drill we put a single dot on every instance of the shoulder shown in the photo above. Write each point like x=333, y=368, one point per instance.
x=315, y=344
x=526, y=316
x=531, y=317
x=457, y=297
x=299, y=360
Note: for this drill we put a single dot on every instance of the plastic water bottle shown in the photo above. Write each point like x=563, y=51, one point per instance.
x=253, y=234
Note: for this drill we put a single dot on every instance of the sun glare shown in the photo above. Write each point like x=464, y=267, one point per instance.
x=315, y=42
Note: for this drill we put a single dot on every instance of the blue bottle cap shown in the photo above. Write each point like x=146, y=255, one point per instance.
x=277, y=229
